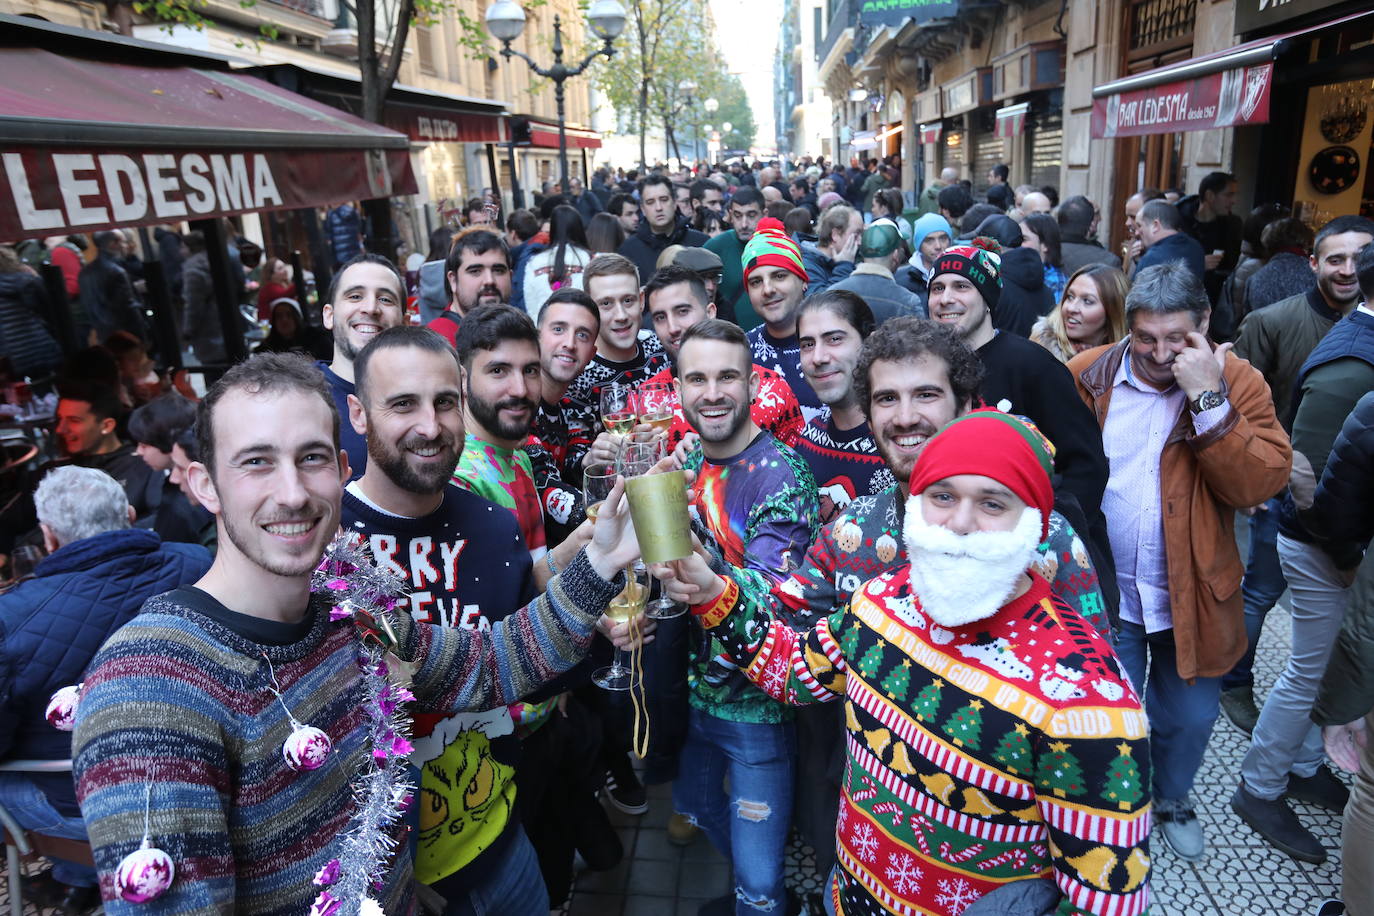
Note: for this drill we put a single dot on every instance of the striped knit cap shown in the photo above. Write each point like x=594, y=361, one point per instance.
x=770, y=246
x=1007, y=448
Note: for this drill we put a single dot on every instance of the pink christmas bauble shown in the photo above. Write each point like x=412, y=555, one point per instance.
x=144, y=874
x=61, y=711
x=307, y=748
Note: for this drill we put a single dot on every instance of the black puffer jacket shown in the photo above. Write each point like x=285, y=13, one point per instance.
x=1024, y=294
x=24, y=338
x=1343, y=510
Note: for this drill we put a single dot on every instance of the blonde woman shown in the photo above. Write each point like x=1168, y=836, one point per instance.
x=1092, y=312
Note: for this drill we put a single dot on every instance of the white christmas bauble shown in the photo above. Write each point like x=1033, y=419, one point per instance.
x=307, y=748
x=144, y=874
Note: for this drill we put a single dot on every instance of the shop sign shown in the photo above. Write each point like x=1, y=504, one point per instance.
x=47, y=192
x=1230, y=98
x=1254, y=15
x=898, y=12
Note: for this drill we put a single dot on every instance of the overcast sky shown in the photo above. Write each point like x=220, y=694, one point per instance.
x=747, y=32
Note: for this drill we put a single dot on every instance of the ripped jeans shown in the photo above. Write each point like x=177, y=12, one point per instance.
x=749, y=822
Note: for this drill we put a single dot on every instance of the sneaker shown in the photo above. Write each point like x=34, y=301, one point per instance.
x=1279, y=826
x=1323, y=789
x=1182, y=830
x=681, y=831
x=624, y=790
x=1238, y=703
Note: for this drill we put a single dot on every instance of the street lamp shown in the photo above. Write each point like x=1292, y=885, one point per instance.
x=506, y=20
x=687, y=88
x=710, y=105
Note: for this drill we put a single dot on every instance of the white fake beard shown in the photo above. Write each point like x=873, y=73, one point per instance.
x=962, y=578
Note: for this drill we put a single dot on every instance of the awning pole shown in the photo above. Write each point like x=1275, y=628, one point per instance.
x=60, y=311
x=517, y=195
x=491, y=169
x=158, y=299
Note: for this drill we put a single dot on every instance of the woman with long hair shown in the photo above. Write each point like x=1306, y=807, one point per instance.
x=888, y=203
x=559, y=265
x=1092, y=312
x=1040, y=231
x=604, y=234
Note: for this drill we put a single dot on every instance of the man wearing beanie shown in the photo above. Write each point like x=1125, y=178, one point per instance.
x=880, y=253
x=1023, y=378
x=930, y=236
x=775, y=281
x=993, y=743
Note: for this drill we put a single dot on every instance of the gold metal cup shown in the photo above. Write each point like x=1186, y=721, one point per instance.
x=658, y=506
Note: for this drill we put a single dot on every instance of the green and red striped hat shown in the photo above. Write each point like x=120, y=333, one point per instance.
x=771, y=246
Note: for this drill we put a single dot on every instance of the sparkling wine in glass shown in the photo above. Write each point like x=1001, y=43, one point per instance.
x=624, y=607
x=617, y=408
x=656, y=406
x=596, y=486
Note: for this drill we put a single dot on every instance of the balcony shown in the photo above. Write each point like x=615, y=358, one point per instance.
x=841, y=16
x=309, y=7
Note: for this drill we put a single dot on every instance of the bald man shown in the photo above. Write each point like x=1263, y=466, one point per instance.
x=1035, y=202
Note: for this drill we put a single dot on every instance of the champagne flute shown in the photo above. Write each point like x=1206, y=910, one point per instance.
x=617, y=408
x=656, y=406
x=623, y=608
x=597, y=482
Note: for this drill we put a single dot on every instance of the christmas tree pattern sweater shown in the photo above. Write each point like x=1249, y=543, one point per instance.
x=1006, y=749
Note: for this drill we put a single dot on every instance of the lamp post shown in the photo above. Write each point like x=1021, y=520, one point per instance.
x=710, y=105
x=506, y=20
x=687, y=88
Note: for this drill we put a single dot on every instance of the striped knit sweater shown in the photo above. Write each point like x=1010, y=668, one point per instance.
x=1006, y=749
x=180, y=699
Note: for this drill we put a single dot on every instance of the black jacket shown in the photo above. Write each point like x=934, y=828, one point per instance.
x=1343, y=510
x=24, y=337
x=644, y=247
x=1024, y=294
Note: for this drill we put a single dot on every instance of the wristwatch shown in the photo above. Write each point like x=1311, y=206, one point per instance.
x=1206, y=401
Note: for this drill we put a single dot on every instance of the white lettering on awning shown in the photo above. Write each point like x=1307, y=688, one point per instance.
x=170, y=184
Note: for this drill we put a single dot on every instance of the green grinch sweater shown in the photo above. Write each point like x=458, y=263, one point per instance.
x=1010, y=748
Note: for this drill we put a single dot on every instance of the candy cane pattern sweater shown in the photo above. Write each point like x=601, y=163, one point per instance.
x=1009, y=748
x=178, y=698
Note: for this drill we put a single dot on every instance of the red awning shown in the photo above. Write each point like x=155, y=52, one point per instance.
x=930, y=133
x=1011, y=121
x=96, y=144
x=1225, y=89
x=545, y=134
x=430, y=125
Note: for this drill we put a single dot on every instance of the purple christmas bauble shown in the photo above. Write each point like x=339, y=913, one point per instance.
x=144, y=874
x=307, y=748
x=61, y=711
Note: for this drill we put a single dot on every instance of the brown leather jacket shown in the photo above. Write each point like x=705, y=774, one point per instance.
x=1242, y=462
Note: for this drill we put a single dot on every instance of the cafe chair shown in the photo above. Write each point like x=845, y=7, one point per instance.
x=25, y=845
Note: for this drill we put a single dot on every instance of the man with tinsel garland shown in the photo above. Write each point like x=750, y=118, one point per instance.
x=994, y=746
x=239, y=745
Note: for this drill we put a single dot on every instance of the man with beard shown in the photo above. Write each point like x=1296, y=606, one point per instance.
x=676, y=299
x=744, y=213
x=839, y=449
x=663, y=225
x=1191, y=436
x=1277, y=340
x=366, y=297
x=912, y=377
x=776, y=283
x=757, y=499
x=1023, y=378
x=478, y=273
x=498, y=349
x=993, y=745
x=568, y=326
x=409, y=406
x=187, y=752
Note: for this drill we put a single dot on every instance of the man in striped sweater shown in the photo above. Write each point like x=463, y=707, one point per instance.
x=185, y=711
x=993, y=744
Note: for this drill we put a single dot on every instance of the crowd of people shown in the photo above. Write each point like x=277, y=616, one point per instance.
x=964, y=605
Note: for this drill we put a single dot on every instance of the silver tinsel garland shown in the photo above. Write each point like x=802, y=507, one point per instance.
x=382, y=791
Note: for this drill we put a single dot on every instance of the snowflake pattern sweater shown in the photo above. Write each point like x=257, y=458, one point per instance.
x=845, y=464
x=1006, y=749
x=178, y=698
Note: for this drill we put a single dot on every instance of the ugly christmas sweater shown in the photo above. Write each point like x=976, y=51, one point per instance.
x=774, y=409
x=1010, y=748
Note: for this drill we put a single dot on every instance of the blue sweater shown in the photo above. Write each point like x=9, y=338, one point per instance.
x=52, y=625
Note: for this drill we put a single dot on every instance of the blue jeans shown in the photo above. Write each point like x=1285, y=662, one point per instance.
x=513, y=886
x=1181, y=714
x=1263, y=584
x=749, y=824
x=27, y=804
